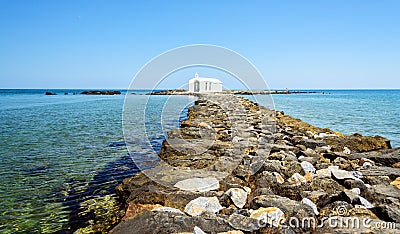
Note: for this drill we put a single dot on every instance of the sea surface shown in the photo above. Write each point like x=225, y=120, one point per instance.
x=60, y=151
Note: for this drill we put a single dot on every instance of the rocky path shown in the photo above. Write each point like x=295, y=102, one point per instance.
x=237, y=167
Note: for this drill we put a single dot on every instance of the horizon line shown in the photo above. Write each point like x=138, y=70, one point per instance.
x=181, y=89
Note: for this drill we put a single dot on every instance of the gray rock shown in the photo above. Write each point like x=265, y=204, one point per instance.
x=311, y=153
x=243, y=223
x=198, y=184
x=290, y=207
x=342, y=174
x=279, y=147
x=386, y=157
x=202, y=205
x=386, y=191
x=352, y=184
x=381, y=171
x=320, y=197
x=167, y=222
x=390, y=213
x=310, y=143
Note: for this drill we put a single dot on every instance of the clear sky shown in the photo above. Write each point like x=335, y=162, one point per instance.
x=296, y=44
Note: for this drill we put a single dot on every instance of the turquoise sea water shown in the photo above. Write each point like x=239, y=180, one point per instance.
x=59, y=151
x=369, y=112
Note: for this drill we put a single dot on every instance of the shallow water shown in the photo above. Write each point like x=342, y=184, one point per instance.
x=59, y=151
x=369, y=112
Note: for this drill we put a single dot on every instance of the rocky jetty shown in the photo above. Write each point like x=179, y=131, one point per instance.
x=236, y=92
x=237, y=167
x=98, y=92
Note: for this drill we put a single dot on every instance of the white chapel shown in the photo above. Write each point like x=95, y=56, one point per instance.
x=204, y=85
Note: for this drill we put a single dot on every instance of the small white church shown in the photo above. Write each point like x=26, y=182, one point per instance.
x=204, y=85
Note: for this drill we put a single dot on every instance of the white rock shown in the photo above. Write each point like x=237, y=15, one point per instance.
x=324, y=173
x=333, y=168
x=342, y=174
x=238, y=196
x=322, y=135
x=269, y=215
x=307, y=167
x=198, y=230
x=167, y=209
x=198, y=184
x=236, y=139
x=311, y=204
x=367, y=164
x=346, y=150
x=297, y=178
x=327, y=147
x=356, y=191
x=201, y=205
x=365, y=203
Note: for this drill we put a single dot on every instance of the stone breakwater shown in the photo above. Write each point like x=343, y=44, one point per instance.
x=236, y=167
x=236, y=92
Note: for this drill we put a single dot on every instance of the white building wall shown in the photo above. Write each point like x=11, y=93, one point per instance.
x=205, y=85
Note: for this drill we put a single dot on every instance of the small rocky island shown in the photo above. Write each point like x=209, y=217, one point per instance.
x=262, y=171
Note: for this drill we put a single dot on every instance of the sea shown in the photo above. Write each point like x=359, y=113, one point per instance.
x=60, y=151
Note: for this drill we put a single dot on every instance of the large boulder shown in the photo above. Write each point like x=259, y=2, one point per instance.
x=358, y=143
x=168, y=222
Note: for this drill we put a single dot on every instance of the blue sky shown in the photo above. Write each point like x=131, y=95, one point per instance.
x=296, y=44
